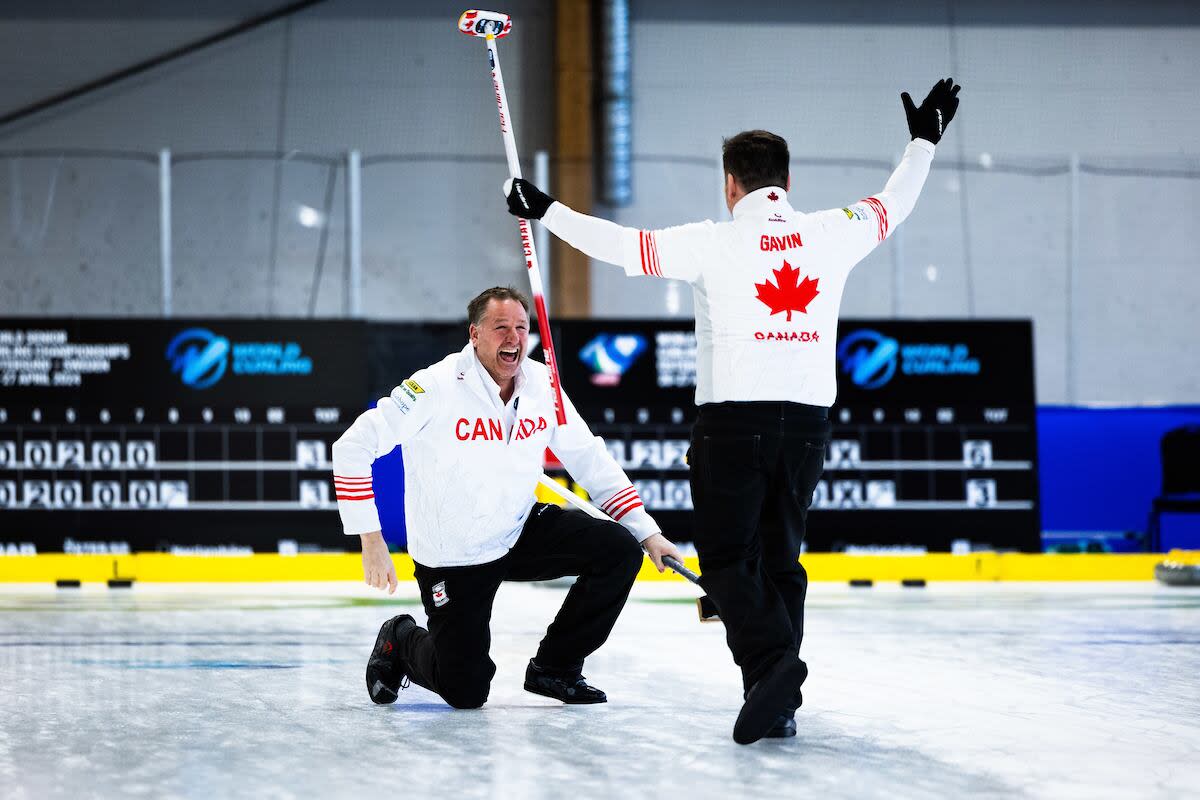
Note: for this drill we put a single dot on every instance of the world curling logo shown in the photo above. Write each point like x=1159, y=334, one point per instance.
x=199, y=356
x=202, y=358
x=871, y=359
x=610, y=355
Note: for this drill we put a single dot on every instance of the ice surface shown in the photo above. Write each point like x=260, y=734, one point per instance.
x=1004, y=690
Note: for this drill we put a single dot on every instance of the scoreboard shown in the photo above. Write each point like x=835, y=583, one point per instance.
x=933, y=447
x=178, y=435
x=213, y=436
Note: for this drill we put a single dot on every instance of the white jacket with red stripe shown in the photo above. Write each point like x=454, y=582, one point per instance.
x=767, y=284
x=471, y=462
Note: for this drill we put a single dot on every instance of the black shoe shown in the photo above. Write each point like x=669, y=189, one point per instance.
x=387, y=672
x=571, y=689
x=784, y=727
x=785, y=724
x=768, y=698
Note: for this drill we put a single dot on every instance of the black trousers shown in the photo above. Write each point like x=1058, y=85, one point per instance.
x=753, y=470
x=451, y=657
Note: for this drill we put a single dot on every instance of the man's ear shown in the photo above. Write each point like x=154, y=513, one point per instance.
x=474, y=334
x=788, y=188
x=731, y=186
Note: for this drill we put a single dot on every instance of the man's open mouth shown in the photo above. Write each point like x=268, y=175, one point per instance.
x=509, y=356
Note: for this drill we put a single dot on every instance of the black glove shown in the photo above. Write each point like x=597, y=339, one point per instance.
x=930, y=120
x=526, y=200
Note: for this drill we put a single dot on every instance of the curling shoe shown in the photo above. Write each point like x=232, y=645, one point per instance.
x=387, y=672
x=785, y=724
x=768, y=698
x=784, y=727
x=569, y=688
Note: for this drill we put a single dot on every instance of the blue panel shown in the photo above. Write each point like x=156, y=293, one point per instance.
x=388, y=479
x=1180, y=531
x=1100, y=467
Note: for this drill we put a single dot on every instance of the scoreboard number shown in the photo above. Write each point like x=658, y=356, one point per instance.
x=69, y=453
x=677, y=496
x=68, y=494
x=847, y=494
x=650, y=492
x=820, y=495
x=140, y=454
x=38, y=454
x=881, y=494
x=310, y=454
x=106, y=455
x=843, y=453
x=37, y=494
x=313, y=494
x=981, y=493
x=664, y=454
x=8, y=494
x=645, y=454
x=143, y=494
x=106, y=494
x=977, y=453
x=173, y=494
x=8, y=455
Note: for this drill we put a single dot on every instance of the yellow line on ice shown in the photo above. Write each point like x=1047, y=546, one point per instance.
x=822, y=567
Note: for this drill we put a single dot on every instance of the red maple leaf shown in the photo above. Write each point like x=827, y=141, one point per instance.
x=772, y=197
x=788, y=295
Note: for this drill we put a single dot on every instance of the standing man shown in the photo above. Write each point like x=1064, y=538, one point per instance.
x=767, y=286
x=475, y=428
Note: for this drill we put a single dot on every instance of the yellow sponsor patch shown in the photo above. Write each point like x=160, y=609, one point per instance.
x=416, y=387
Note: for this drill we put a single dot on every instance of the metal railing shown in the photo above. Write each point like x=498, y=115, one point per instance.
x=407, y=235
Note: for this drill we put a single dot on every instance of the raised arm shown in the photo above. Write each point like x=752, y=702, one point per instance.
x=865, y=224
x=665, y=253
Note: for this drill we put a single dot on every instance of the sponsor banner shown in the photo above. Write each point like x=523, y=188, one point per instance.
x=94, y=363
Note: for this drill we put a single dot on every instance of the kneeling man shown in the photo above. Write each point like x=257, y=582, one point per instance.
x=475, y=428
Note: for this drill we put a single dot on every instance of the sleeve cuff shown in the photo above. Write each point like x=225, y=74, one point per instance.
x=551, y=213
x=640, y=524
x=923, y=144
x=358, y=516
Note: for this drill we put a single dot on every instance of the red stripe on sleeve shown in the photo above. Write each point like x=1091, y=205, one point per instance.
x=619, y=497
x=624, y=491
x=880, y=215
x=619, y=509
x=355, y=497
x=642, y=245
x=617, y=517
x=874, y=211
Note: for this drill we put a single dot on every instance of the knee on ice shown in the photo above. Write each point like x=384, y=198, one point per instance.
x=467, y=697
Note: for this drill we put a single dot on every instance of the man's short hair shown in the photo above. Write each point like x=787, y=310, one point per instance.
x=756, y=159
x=477, y=307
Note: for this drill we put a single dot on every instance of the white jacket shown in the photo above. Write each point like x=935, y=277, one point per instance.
x=767, y=284
x=471, y=462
